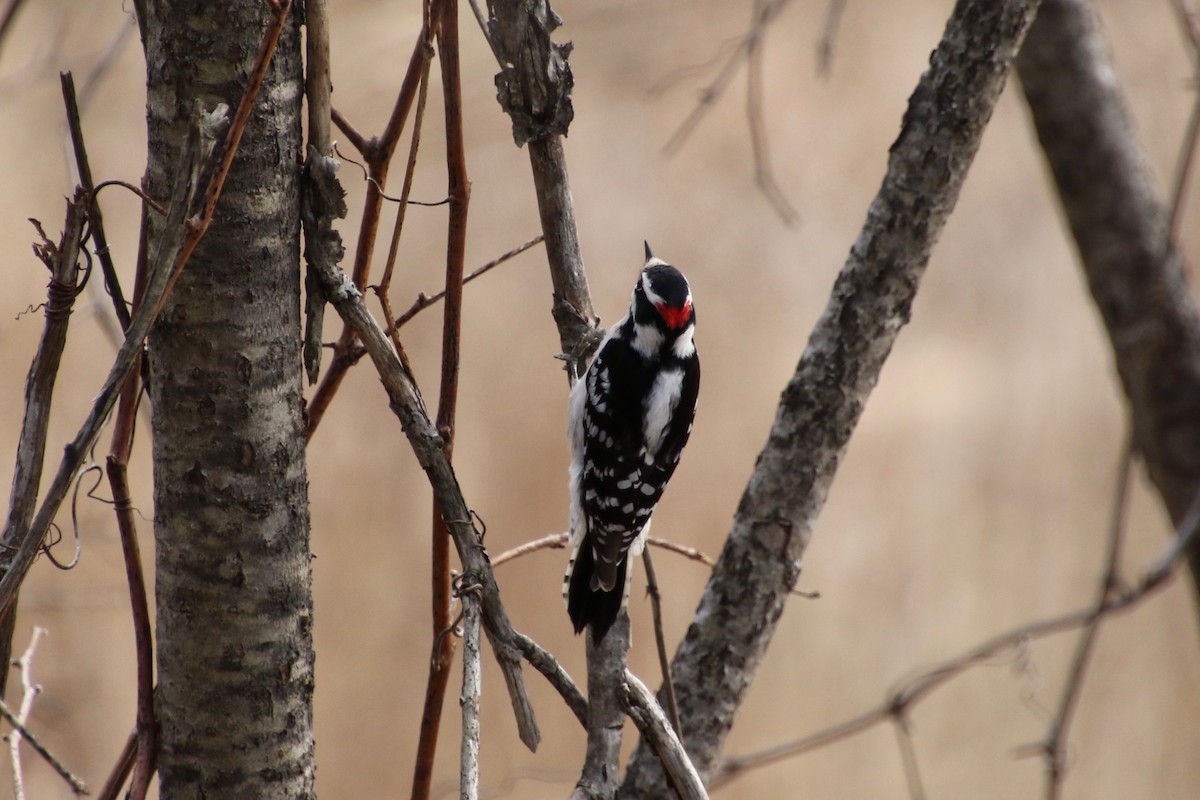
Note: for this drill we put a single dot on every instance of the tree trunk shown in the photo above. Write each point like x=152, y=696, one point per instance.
x=234, y=603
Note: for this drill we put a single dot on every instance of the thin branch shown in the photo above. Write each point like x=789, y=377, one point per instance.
x=469, y=699
x=378, y=154
x=424, y=301
x=908, y=756
x=120, y=772
x=660, y=642
x=18, y=721
x=146, y=725
x=1054, y=749
x=747, y=50
x=544, y=662
x=427, y=445
x=652, y=723
x=459, y=190
x=916, y=688
x=95, y=219
x=77, y=785
x=764, y=173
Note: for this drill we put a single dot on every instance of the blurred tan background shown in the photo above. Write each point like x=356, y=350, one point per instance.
x=974, y=497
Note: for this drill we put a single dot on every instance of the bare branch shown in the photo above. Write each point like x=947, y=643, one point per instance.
x=427, y=445
x=1054, y=749
x=645, y=712
x=926, y=681
x=1119, y=222
x=469, y=699
x=29, y=691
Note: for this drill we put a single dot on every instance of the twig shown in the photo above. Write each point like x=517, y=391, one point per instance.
x=111, y=789
x=1054, y=748
x=408, y=407
x=62, y=260
x=660, y=642
x=544, y=662
x=95, y=219
x=146, y=728
x=181, y=233
x=469, y=700
x=424, y=301
x=652, y=723
x=908, y=756
x=748, y=50
x=912, y=690
x=29, y=691
x=555, y=541
x=21, y=732
x=459, y=190
x=378, y=154
x=764, y=173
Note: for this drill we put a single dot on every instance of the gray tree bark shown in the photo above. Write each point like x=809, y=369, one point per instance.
x=234, y=606
x=870, y=303
x=1120, y=224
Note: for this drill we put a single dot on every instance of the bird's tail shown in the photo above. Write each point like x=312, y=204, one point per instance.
x=593, y=607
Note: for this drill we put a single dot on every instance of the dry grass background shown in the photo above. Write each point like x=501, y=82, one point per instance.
x=974, y=496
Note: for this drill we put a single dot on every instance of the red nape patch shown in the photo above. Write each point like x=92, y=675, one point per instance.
x=675, y=317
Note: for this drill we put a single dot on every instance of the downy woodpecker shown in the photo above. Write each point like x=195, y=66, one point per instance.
x=630, y=416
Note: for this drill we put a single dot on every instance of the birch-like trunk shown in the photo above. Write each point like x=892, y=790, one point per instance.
x=233, y=594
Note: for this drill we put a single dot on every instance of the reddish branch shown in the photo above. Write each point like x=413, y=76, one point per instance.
x=459, y=191
x=377, y=152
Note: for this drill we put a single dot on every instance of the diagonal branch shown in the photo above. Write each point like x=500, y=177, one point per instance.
x=871, y=301
x=1120, y=225
x=407, y=405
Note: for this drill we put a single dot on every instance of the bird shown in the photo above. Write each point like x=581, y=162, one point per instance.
x=629, y=418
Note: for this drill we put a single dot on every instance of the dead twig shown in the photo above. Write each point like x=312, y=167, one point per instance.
x=30, y=690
